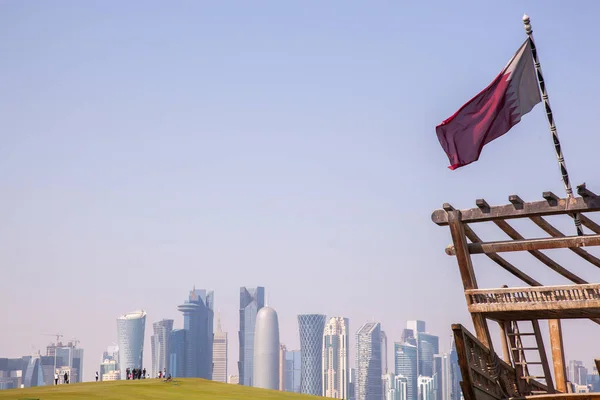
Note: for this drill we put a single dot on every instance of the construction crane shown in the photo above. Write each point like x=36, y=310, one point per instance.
x=58, y=336
x=75, y=342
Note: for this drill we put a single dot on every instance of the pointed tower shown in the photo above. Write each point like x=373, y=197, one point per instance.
x=219, y=353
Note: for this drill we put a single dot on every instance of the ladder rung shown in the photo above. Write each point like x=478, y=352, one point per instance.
x=524, y=348
x=533, y=377
x=529, y=362
x=522, y=334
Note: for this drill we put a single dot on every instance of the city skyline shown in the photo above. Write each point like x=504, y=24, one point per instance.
x=270, y=155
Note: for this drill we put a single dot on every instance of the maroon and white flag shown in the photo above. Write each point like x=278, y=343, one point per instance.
x=492, y=112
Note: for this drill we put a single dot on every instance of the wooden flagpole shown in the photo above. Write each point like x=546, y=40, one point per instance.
x=559, y=154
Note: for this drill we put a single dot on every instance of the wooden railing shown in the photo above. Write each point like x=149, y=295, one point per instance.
x=541, y=294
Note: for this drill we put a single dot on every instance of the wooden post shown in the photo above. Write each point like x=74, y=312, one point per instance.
x=558, y=355
x=504, y=338
x=465, y=265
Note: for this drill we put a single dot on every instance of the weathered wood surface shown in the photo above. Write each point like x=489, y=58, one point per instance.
x=485, y=376
x=467, y=274
x=539, y=302
x=552, y=205
x=529, y=244
x=561, y=396
x=554, y=232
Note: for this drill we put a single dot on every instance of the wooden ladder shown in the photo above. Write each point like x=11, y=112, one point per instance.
x=521, y=365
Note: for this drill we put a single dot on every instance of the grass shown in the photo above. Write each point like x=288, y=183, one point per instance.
x=178, y=389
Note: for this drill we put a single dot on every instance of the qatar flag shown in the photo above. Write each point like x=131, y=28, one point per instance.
x=492, y=112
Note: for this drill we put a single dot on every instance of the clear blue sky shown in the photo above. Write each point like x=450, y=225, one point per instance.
x=147, y=146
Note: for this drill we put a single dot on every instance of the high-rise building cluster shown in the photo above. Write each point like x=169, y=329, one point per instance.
x=321, y=366
x=63, y=363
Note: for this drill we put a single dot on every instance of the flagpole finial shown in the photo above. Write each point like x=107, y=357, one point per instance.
x=527, y=24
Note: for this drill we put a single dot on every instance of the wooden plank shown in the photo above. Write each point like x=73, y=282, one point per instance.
x=554, y=232
x=550, y=263
x=467, y=274
x=529, y=244
x=543, y=355
x=529, y=209
x=463, y=363
x=504, y=341
x=558, y=354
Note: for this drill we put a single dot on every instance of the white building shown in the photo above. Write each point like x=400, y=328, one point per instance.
x=266, y=349
x=368, y=362
x=426, y=388
x=130, y=337
x=219, y=373
x=336, y=364
x=395, y=387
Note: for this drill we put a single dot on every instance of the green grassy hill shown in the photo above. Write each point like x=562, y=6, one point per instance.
x=179, y=389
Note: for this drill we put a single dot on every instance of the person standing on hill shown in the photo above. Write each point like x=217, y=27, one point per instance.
x=96, y=376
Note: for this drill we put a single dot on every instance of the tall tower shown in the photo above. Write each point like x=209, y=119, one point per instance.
x=384, y=355
x=405, y=355
x=427, y=346
x=368, y=362
x=266, y=349
x=161, y=348
x=219, y=354
x=251, y=300
x=198, y=316
x=311, y=348
x=336, y=368
x=130, y=337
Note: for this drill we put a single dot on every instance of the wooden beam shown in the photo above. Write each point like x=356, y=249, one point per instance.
x=584, y=191
x=558, y=354
x=588, y=223
x=467, y=274
x=529, y=244
x=529, y=209
x=597, y=362
x=554, y=232
x=482, y=205
x=501, y=261
x=551, y=198
x=550, y=263
x=543, y=355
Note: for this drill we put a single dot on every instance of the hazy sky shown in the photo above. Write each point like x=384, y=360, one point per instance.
x=148, y=146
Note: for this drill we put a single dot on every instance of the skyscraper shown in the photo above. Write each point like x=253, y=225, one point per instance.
x=177, y=353
x=416, y=326
x=455, y=375
x=282, y=366
x=251, y=300
x=428, y=345
x=293, y=371
x=161, y=341
x=219, y=354
x=311, y=347
x=384, y=353
x=405, y=357
x=266, y=349
x=368, y=362
x=198, y=316
x=336, y=368
x=131, y=328
x=426, y=391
